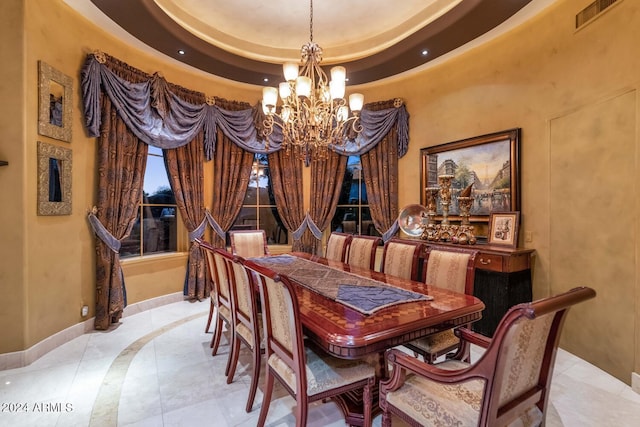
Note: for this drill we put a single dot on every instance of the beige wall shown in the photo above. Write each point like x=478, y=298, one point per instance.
x=543, y=77
x=540, y=74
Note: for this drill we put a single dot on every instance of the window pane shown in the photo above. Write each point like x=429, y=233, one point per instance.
x=131, y=245
x=272, y=225
x=251, y=198
x=265, y=192
x=155, y=174
x=158, y=231
x=345, y=220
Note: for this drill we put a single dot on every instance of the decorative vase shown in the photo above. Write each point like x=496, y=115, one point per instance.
x=464, y=206
x=432, y=202
x=445, y=196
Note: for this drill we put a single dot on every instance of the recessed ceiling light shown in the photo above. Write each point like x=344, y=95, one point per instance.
x=181, y=52
x=266, y=79
x=425, y=52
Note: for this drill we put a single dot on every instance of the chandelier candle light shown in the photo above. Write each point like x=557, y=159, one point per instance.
x=314, y=112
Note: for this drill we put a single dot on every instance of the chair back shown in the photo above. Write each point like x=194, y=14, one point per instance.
x=450, y=268
x=243, y=301
x=522, y=357
x=219, y=258
x=362, y=251
x=249, y=243
x=401, y=258
x=338, y=246
x=217, y=269
x=284, y=346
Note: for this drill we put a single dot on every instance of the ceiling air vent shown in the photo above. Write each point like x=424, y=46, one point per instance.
x=591, y=11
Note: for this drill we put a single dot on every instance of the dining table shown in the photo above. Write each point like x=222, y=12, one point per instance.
x=357, y=313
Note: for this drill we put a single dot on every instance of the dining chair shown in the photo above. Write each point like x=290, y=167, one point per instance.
x=212, y=283
x=338, y=246
x=508, y=385
x=247, y=323
x=452, y=269
x=217, y=266
x=362, y=251
x=306, y=372
x=401, y=258
x=249, y=243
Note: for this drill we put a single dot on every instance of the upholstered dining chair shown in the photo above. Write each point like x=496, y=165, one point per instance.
x=247, y=323
x=453, y=269
x=401, y=258
x=338, y=246
x=221, y=296
x=362, y=251
x=249, y=243
x=508, y=386
x=307, y=373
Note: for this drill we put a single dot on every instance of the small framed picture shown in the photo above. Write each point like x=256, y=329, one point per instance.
x=503, y=229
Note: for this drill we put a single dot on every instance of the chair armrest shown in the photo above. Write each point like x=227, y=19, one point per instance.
x=402, y=363
x=468, y=335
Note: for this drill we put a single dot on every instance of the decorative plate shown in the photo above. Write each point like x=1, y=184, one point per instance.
x=411, y=219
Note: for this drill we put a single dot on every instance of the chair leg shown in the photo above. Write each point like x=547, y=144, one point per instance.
x=217, y=332
x=266, y=398
x=211, y=309
x=232, y=343
x=233, y=357
x=255, y=377
x=366, y=398
x=302, y=412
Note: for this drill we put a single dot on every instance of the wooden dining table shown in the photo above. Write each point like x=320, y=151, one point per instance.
x=348, y=333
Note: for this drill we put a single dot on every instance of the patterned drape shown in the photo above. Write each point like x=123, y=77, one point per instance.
x=286, y=179
x=160, y=118
x=380, y=170
x=185, y=171
x=326, y=184
x=231, y=172
x=121, y=162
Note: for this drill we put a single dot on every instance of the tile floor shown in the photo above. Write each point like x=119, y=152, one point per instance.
x=155, y=369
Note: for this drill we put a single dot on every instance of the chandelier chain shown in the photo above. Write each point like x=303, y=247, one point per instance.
x=311, y=20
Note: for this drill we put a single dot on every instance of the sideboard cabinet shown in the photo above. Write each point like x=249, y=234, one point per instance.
x=502, y=280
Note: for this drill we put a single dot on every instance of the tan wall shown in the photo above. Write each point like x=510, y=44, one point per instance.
x=12, y=190
x=47, y=262
x=543, y=77
x=573, y=93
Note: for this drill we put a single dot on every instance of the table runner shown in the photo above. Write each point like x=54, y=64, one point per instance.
x=360, y=293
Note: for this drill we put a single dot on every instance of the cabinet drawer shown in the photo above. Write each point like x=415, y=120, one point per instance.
x=490, y=262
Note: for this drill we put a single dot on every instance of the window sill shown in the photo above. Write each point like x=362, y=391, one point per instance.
x=152, y=259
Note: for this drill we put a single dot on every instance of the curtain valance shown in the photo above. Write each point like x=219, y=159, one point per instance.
x=154, y=111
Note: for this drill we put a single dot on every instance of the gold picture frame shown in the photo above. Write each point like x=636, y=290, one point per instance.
x=54, y=103
x=504, y=228
x=54, y=179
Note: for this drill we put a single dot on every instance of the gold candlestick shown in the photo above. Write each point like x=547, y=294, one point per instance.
x=445, y=196
x=432, y=202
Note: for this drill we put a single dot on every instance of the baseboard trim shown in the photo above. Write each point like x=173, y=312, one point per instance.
x=20, y=359
x=635, y=382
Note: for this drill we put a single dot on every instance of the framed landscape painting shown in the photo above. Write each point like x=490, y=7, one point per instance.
x=489, y=164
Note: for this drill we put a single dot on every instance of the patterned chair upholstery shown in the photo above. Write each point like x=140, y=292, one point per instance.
x=307, y=373
x=338, y=246
x=249, y=243
x=401, y=258
x=453, y=269
x=508, y=386
x=247, y=323
x=362, y=251
x=220, y=310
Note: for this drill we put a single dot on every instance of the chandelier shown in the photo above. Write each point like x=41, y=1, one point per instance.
x=314, y=113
